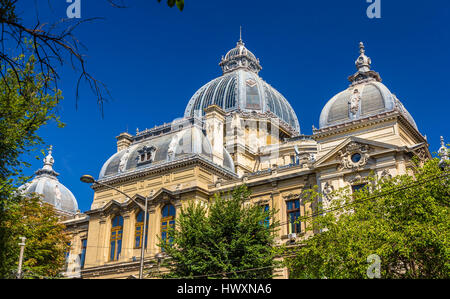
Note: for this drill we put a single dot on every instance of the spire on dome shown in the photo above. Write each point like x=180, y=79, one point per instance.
x=48, y=160
x=363, y=62
x=240, y=57
x=443, y=153
x=364, y=72
x=240, y=34
x=48, y=165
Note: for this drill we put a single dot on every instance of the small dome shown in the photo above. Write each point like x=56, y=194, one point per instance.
x=162, y=149
x=46, y=184
x=365, y=97
x=241, y=88
x=240, y=57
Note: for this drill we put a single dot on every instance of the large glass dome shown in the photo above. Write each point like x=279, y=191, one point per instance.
x=241, y=88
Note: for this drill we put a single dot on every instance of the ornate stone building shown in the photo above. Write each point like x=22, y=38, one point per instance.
x=239, y=129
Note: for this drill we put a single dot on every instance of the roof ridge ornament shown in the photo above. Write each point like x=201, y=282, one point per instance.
x=364, y=73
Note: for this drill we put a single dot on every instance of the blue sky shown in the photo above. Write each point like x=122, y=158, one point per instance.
x=153, y=58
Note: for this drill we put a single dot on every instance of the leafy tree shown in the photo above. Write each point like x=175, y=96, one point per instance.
x=229, y=236
x=24, y=108
x=46, y=240
x=404, y=220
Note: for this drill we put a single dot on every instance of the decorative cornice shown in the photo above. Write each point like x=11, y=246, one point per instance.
x=164, y=167
x=154, y=199
x=365, y=122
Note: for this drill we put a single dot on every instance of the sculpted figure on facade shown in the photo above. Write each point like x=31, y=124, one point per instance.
x=354, y=101
x=123, y=160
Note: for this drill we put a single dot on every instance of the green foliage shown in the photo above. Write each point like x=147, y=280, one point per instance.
x=404, y=220
x=24, y=108
x=178, y=3
x=46, y=241
x=228, y=236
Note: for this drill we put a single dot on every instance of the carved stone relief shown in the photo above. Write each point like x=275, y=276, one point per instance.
x=327, y=190
x=355, y=98
x=354, y=155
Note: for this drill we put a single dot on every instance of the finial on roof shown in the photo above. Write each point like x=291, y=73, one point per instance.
x=364, y=72
x=363, y=62
x=48, y=160
x=48, y=164
x=361, y=48
x=240, y=42
x=443, y=153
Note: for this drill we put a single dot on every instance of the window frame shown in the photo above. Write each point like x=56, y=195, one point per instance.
x=138, y=234
x=167, y=221
x=293, y=228
x=83, y=252
x=116, y=237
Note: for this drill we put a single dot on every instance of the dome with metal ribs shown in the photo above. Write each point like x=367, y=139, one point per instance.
x=366, y=96
x=158, y=150
x=52, y=191
x=241, y=89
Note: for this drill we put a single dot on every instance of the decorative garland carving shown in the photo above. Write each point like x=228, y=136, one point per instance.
x=354, y=155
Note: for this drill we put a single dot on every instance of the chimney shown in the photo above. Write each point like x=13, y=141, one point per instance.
x=124, y=140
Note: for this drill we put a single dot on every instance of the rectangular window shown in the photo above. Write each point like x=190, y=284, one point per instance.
x=267, y=219
x=293, y=213
x=83, y=252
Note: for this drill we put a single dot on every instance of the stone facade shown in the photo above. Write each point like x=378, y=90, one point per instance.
x=225, y=146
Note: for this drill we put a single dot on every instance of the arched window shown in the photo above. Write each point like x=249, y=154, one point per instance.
x=167, y=221
x=116, y=238
x=139, y=228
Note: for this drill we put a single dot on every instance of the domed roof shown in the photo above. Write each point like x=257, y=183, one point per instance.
x=366, y=96
x=165, y=148
x=240, y=88
x=47, y=184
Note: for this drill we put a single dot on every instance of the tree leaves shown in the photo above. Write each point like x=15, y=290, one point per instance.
x=178, y=3
x=222, y=239
x=405, y=220
x=46, y=241
x=25, y=106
